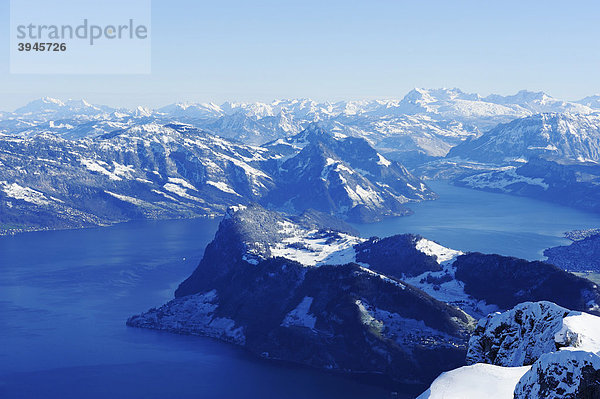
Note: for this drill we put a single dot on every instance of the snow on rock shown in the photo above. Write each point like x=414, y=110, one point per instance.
x=476, y=381
x=521, y=335
x=192, y=314
x=14, y=190
x=301, y=316
x=223, y=187
x=561, y=375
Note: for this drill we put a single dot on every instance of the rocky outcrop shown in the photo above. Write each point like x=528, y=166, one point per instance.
x=533, y=351
x=521, y=335
x=561, y=375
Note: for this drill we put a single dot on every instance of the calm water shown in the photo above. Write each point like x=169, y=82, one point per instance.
x=65, y=296
x=472, y=220
x=64, y=299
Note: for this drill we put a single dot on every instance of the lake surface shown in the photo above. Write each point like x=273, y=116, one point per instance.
x=64, y=299
x=65, y=296
x=471, y=220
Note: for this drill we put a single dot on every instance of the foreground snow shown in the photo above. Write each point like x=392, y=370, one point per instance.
x=518, y=358
x=477, y=381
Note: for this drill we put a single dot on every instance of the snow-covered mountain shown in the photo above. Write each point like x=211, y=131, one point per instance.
x=424, y=123
x=147, y=171
x=174, y=170
x=591, y=101
x=289, y=292
x=539, y=102
x=564, y=136
x=268, y=282
x=339, y=174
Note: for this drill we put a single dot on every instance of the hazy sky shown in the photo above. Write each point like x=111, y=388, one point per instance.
x=331, y=50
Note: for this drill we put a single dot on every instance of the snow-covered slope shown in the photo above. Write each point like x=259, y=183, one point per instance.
x=475, y=382
x=175, y=170
x=521, y=335
x=565, y=136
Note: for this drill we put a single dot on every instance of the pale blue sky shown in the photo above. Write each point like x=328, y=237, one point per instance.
x=331, y=50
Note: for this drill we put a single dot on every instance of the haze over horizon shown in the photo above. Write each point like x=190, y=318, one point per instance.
x=117, y=104
x=205, y=51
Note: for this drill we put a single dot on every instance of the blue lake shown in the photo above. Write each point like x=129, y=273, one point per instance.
x=472, y=220
x=65, y=296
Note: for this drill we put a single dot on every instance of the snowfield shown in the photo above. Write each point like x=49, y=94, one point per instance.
x=478, y=381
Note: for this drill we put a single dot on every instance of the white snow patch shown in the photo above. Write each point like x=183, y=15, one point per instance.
x=97, y=166
x=581, y=331
x=223, y=187
x=27, y=194
x=383, y=161
x=476, y=381
x=301, y=315
x=126, y=198
x=314, y=248
x=441, y=253
x=181, y=182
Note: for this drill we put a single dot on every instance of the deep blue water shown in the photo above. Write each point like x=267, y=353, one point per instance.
x=64, y=299
x=471, y=220
x=65, y=296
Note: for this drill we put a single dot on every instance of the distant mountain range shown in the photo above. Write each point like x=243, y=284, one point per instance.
x=73, y=164
x=426, y=122
x=175, y=170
